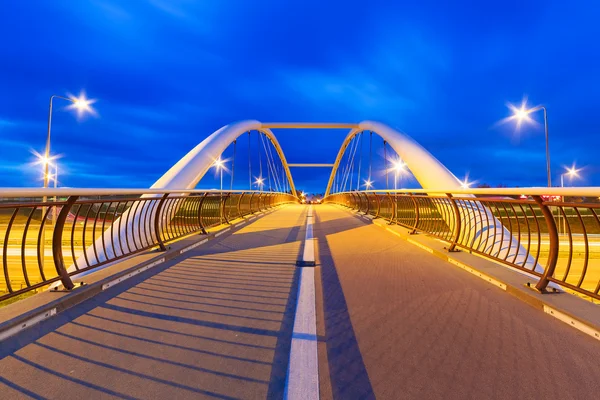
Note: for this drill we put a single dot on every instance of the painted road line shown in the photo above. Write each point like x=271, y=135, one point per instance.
x=308, y=255
x=26, y=324
x=302, y=380
x=572, y=322
x=131, y=274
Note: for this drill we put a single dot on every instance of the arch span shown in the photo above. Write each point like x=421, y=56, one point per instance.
x=185, y=174
x=428, y=171
x=432, y=174
x=188, y=171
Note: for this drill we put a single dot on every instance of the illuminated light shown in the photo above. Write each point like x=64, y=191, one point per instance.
x=218, y=163
x=466, y=184
x=399, y=165
x=368, y=183
x=521, y=113
x=572, y=172
x=82, y=104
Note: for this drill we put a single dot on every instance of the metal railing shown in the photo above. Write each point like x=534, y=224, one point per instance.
x=82, y=229
x=555, y=241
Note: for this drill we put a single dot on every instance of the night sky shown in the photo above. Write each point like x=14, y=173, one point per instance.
x=167, y=73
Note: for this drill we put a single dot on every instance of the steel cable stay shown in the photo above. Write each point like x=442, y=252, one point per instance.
x=351, y=165
x=270, y=164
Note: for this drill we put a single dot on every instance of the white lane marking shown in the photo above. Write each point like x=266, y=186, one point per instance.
x=308, y=256
x=302, y=381
x=131, y=274
x=572, y=322
x=32, y=321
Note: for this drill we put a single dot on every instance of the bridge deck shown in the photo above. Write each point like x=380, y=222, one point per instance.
x=393, y=322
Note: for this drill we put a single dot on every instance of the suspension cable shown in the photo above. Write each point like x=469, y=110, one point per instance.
x=258, y=140
x=249, y=162
x=351, y=164
x=386, y=163
x=359, y=161
x=270, y=161
x=233, y=164
x=370, y=153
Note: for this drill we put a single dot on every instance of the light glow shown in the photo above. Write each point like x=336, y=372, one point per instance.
x=368, y=183
x=81, y=104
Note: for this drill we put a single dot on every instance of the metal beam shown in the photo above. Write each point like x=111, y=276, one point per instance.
x=311, y=165
x=308, y=125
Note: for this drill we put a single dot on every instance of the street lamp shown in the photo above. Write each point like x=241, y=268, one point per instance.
x=523, y=114
x=368, y=183
x=398, y=169
x=571, y=173
x=260, y=181
x=220, y=165
x=82, y=105
x=466, y=184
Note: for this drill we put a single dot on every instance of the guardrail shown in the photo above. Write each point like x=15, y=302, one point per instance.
x=43, y=242
x=552, y=239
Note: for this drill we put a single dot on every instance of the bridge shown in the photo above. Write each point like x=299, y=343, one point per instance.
x=173, y=291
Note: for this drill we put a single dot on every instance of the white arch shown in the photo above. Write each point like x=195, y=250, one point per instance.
x=188, y=171
x=432, y=174
x=428, y=171
x=185, y=174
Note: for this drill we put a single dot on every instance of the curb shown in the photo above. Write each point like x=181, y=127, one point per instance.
x=508, y=280
x=28, y=319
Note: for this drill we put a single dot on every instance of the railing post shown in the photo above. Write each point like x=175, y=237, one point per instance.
x=57, y=254
x=457, y=223
x=553, y=253
x=416, y=204
x=368, y=204
x=393, y=206
x=238, y=205
x=223, y=203
x=378, y=205
x=250, y=204
x=200, y=213
x=159, y=208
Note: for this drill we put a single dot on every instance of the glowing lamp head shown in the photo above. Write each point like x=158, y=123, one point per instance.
x=368, y=183
x=82, y=104
x=399, y=166
x=218, y=163
x=572, y=172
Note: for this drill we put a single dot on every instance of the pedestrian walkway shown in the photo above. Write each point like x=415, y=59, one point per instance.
x=216, y=324
x=399, y=323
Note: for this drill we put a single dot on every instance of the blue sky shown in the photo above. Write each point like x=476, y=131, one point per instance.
x=167, y=73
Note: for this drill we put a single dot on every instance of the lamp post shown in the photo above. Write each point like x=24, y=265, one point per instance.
x=571, y=173
x=220, y=165
x=260, y=182
x=82, y=105
x=398, y=168
x=523, y=114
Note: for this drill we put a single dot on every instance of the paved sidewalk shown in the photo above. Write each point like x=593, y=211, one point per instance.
x=215, y=324
x=399, y=323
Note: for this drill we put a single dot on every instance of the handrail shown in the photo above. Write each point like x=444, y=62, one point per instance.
x=551, y=240
x=587, y=191
x=64, y=192
x=92, y=232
